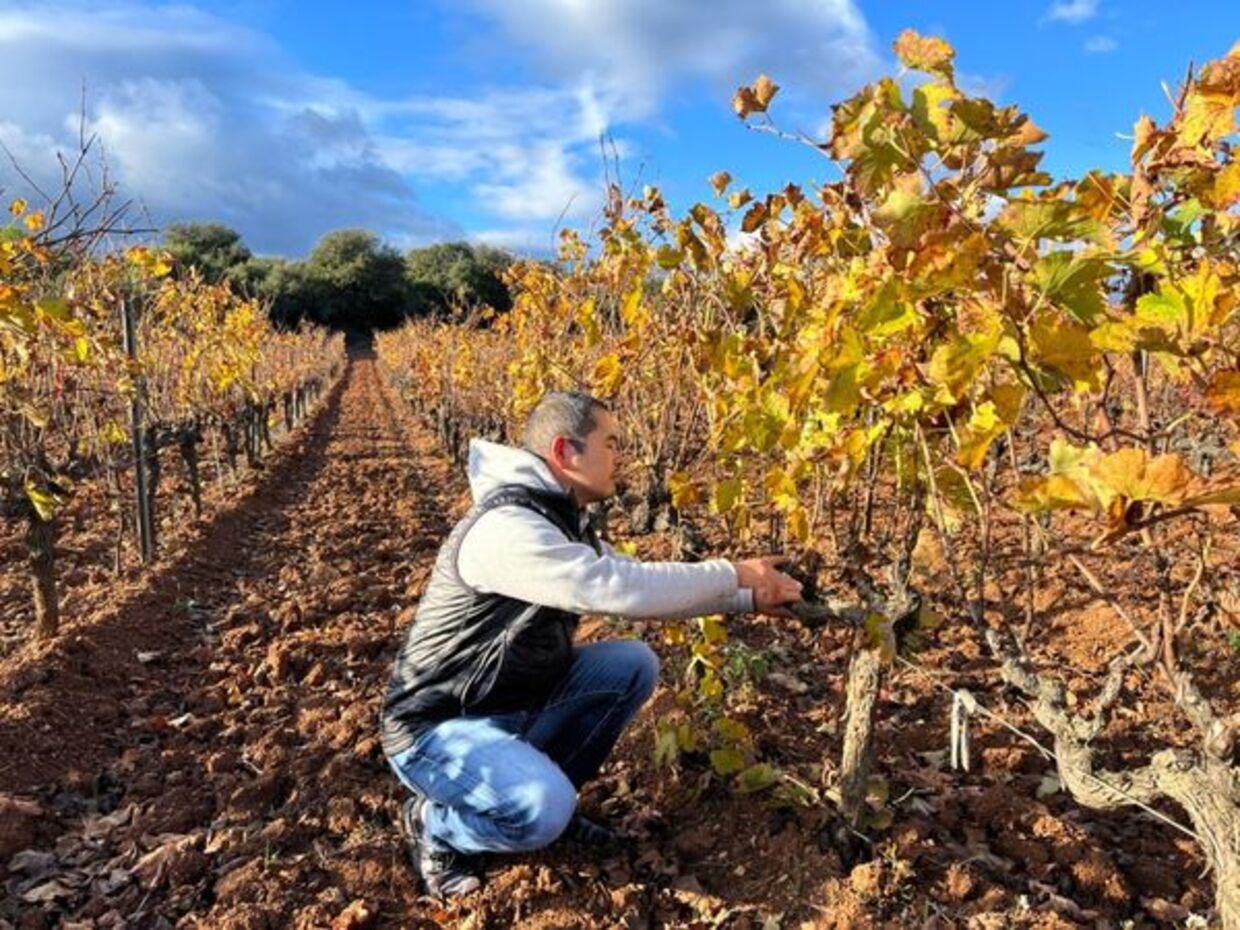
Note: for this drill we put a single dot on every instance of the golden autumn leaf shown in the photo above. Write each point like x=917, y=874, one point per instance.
x=684, y=491
x=1223, y=392
x=727, y=494
x=755, y=98
x=765, y=90
x=1053, y=492
x=738, y=199
x=1131, y=474
x=720, y=181
x=726, y=761
x=781, y=489
x=607, y=375
x=1065, y=347
x=45, y=504
x=1209, y=112
x=989, y=421
x=798, y=525
x=925, y=53
x=714, y=630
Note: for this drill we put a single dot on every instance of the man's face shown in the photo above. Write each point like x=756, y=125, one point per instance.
x=593, y=468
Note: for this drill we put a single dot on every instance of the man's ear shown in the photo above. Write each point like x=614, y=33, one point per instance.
x=561, y=449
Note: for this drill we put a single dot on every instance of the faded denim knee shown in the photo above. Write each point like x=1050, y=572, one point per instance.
x=535, y=813
x=644, y=664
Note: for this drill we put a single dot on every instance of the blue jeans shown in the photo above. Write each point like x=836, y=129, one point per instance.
x=508, y=783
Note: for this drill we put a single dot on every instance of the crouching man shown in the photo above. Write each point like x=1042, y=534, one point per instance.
x=493, y=718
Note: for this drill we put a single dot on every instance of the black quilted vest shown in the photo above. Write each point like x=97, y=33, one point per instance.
x=469, y=653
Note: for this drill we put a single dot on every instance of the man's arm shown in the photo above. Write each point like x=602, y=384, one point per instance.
x=517, y=553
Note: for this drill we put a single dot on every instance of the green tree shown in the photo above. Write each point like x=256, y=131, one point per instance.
x=290, y=292
x=453, y=275
x=359, y=282
x=213, y=248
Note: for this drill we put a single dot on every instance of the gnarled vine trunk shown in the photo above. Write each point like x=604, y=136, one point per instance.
x=41, y=550
x=865, y=678
x=1206, y=785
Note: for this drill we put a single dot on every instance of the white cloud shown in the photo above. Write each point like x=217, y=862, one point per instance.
x=630, y=52
x=202, y=118
x=1072, y=11
x=1100, y=44
x=198, y=119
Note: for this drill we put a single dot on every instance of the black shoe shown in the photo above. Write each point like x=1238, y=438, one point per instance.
x=583, y=830
x=445, y=873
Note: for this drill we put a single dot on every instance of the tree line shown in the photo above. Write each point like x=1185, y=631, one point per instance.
x=351, y=281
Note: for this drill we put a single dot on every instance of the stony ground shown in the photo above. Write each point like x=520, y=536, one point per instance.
x=199, y=748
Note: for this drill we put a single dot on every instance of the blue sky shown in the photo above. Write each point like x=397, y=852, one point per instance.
x=480, y=119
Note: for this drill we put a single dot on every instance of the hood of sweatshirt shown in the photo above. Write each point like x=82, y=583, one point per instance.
x=492, y=465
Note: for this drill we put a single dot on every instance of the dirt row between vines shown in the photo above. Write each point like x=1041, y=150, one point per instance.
x=201, y=751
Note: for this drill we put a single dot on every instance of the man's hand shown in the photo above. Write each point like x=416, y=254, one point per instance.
x=772, y=589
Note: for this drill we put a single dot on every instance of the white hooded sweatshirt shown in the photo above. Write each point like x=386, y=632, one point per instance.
x=513, y=551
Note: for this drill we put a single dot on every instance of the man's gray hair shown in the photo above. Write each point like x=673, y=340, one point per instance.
x=561, y=413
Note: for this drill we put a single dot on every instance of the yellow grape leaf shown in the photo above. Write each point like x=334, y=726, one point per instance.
x=1067, y=459
x=1223, y=497
x=733, y=731
x=114, y=434
x=45, y=504
x=744, y=102
x=710, y=686
x=1131, y=474
x=765, y=90
x=714, y=631
x=726, y=761
x=925, y=53
x=754, y=98
x=798, y=525
x=674, y=634
x=932, y=115
x=607, y=375
x=781, y=489
x=738, y=199
x=1223, y=392
x=1074, y=282
x=1224, y=191
x=1065, y=347
x=754, y=217
x=17, y=207
x=720, y=181
x=668, y=257
x=955, y=364
x=988, y=422
x=34, y=221
x=686, y=738
x=1209, y=112
x=684, y=491
x=1029, y=133
x=633, y=311
x=758, y=777
x=1145, y=133
x=727, y=494
x=1053, y=492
